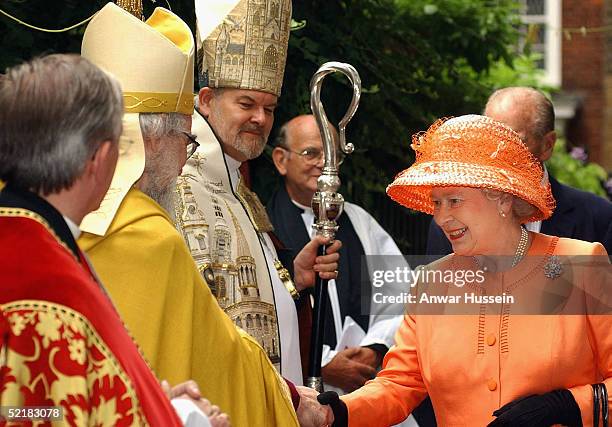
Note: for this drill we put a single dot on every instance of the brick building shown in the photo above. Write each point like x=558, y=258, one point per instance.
x=575, y=39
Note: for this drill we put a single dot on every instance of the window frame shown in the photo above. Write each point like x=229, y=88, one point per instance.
x=551, y=20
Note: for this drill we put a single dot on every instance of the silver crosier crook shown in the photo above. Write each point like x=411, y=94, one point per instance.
x=327, y=203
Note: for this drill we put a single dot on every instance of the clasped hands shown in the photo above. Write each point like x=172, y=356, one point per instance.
x=189, y=390
x=349, y=370
x=311, y=413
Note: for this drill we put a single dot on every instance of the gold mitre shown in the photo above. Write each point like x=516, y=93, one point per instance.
x=153, y=60
x=243, y=43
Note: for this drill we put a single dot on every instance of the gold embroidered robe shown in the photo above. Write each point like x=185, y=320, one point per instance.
x=172, y=315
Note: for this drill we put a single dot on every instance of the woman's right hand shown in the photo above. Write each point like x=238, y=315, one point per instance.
x=338, y=407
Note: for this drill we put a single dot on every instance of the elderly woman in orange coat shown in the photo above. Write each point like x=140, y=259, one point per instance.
x=533, y=357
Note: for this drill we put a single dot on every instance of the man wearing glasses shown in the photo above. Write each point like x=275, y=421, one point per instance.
x=298, y=157
x=131, y=240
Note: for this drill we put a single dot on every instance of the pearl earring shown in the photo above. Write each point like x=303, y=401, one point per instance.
x=502, y=213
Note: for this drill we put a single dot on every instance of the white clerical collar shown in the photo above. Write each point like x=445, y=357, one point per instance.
x=74, y=229
x=234, y=173
x=299, y=205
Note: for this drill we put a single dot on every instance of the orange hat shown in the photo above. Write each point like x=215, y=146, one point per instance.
x=472, y=151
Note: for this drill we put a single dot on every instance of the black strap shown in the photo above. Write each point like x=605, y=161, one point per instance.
x=604, y=404
x=595, y=404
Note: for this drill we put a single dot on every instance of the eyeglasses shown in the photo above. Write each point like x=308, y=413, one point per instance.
x=193, y=145
x=312, y=156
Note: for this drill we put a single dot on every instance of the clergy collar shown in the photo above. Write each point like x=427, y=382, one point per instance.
x=301, y=206
x=74, y=229
x=234, y=173
x=15, y=197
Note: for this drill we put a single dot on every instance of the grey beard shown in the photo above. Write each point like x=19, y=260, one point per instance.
x=250, y=152
x=165, y=197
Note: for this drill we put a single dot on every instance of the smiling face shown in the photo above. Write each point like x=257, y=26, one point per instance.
x=242, y=119
x=300, y=171
x=300, y=174
x=470, y=221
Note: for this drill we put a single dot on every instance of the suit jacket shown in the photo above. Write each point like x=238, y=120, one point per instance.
x=579, y=215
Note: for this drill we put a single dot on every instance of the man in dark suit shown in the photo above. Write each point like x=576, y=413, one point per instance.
x=578, y=215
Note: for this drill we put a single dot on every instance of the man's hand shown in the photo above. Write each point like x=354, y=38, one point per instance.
x=189, y=390
x=218, y=419
x=345, y=372
x=307, y=263
x=310, y=412
x=367, y=356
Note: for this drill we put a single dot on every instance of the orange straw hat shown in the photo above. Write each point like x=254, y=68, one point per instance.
x=472, y=151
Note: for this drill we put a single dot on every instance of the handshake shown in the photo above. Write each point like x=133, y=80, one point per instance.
x=321, y=410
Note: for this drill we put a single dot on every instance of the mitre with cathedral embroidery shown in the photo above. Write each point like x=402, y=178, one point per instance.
x=243, y=43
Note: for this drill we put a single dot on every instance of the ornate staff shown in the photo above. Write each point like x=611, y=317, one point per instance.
x=327, y=204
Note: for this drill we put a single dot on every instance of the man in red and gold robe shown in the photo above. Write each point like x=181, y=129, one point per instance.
x=63, y=343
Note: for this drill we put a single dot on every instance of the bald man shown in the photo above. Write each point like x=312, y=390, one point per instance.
x=578, y=215
x=298, y=157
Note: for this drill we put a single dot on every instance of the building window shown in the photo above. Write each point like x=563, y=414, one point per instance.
x=201, y=242
x=541, y=26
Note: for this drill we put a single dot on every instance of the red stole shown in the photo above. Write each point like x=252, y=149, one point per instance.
x=65, y=335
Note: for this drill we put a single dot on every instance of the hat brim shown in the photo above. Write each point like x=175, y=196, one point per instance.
x=412, y=188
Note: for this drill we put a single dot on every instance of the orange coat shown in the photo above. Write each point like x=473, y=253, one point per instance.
x=472, y=364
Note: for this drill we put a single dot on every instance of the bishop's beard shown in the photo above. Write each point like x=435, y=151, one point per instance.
x=165, y=196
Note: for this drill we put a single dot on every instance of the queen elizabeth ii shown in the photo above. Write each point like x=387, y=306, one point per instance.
x=531, y=364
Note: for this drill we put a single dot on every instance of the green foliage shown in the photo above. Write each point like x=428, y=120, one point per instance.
x=574, y=172
x=522, y=71
x=418, y=60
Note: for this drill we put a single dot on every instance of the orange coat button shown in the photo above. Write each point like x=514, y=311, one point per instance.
x=492, y=384
x=491, y=339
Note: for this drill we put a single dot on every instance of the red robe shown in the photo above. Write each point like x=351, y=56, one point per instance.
x=63, y=341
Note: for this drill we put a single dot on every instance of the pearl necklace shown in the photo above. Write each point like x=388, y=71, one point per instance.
x=521, y=249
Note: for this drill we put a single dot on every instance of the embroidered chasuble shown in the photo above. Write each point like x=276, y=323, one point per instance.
x=64, y=344
x=170, y=311
x=226, y=234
